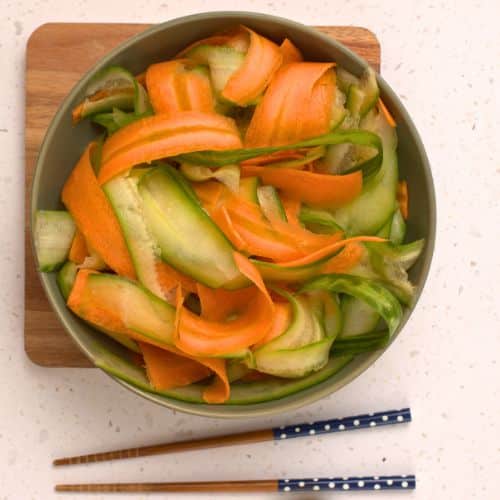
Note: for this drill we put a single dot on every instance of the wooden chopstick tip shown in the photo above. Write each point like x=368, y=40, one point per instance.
x=57, y=462
x=63, y=487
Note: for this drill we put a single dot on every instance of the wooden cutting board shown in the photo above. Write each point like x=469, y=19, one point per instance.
x=57, y=55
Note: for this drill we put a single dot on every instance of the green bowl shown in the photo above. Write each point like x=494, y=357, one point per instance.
x=64, y=143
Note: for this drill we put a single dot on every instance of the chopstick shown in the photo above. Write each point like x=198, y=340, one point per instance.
x=362, y=483
x=369, y=420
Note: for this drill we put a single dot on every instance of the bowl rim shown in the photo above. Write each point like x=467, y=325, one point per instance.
x=317, y=392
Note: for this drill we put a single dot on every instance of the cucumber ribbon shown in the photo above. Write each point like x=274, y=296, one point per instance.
x=388, y=264
x=369, y=167
x=376, y=296
x=111, y=93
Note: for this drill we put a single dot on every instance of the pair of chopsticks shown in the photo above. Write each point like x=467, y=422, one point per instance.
x=372, y=483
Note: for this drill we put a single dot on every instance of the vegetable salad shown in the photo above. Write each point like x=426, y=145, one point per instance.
x=237, y=225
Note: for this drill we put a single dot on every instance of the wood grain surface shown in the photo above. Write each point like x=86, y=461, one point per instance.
x=57, y=55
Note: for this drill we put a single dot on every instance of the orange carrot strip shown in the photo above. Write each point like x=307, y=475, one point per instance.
x=78, y=250
x=345, y=260
x=306, y=240
x=76, y=113
x=252, y=273
x=161, y=136
x=107, y=312
x=168, y=367
x=167, y=370
x=218, y=304
x=323, y=252
x=262, y=60
x=244, y=225
x=247, y=228
x=292, y=210
x=221, y=217
x=281, y=320
x=201, y=337
x=79, y=286
x=320, y=190
x=152, y=127
x=94, y=217
x=265, y=244
x=276, y=121
x=103, y=315
x=209, y=193
x=402, y=197
x=316, y=117
x=390, y=120
x=218, y=392
x=169, y=278
x=172, y=87
x=199, y=91
x=179, y=302
x=258, y=235
x=249, y=216
x=289, y=52
x=109, y=317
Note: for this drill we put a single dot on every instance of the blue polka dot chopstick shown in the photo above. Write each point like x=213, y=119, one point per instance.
x=364, y=421
x=362, y=483
x=368, y=420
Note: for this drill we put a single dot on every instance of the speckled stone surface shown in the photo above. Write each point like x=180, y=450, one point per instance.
x=442, y=59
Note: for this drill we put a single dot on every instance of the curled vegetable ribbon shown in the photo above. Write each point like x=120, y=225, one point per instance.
x=136, y=313
x=162, y=136
x=297, y=105
x=222, y=335
x=94, y=217
x=262, y=59
x=173, y=86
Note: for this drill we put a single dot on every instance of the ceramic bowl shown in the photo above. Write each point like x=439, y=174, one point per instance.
x=64, y=143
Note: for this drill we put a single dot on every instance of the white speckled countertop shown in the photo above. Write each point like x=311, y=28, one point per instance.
x=442, y=58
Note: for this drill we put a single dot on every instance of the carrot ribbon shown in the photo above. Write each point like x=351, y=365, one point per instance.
x=389, y=118
x=94, y=217
x=167, y=370
x=200, y=336
x=320, y=190
x=161, y=136
x=251, y=232
x=171, y=368
x=345, y=260
x=297, y=105
x=170, y=278
x=402, y=198
x=281, y=320
x=108, y=312
x=290, y=52
x=262, y=60
x=173, y=86
x=78, y=250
